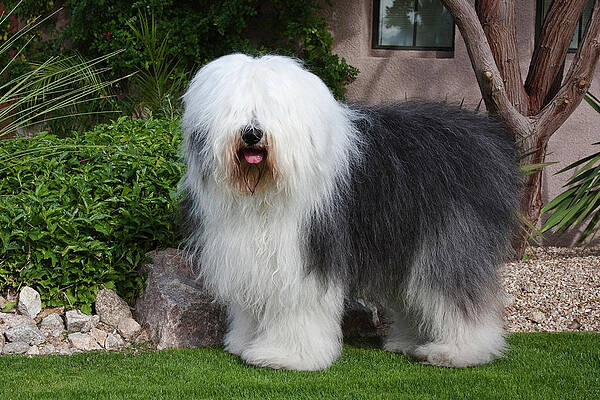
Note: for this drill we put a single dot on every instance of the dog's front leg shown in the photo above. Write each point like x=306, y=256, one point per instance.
x=241, y=330
x=305, y=336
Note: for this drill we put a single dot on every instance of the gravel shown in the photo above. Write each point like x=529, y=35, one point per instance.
x=554, y=289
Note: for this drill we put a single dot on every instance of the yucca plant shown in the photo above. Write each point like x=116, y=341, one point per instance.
x=158, y=84
x=581, y=199
x=56, y=88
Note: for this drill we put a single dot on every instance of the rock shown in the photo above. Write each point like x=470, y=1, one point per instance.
x=574, y=325
x=83, y=341
x=2, y=301
x=26, y=333
x=15, y=348
x=1, y=339
x=537, y=316
x=363, y=319
x=128, y=327
x=50, y=310
x=178, y=310
x=111, y=308
x=10, y=320
x=33, y=351
x=47, y=349
x=106, y=327
x=65, y=351
x=113, y=342
x=52, y=325
x=80, y=322
x=143, y=337
x=29, y=303
x=99, y=336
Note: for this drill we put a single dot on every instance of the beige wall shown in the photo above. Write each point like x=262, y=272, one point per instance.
x=388, y=75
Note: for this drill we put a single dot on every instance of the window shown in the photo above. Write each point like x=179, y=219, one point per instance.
x=544, y=5
x=412, y=25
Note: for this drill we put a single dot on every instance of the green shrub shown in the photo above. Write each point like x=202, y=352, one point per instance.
x=200, y=31
x=80, y=212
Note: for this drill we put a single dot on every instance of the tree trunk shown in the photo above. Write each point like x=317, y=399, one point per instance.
x=532, y=111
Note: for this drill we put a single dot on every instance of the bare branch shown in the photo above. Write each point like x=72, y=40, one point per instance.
x=484, y=65
x=577, y=80
x=498, y=21
x=551, y=49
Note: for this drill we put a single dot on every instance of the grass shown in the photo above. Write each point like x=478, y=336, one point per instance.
x=537, y=366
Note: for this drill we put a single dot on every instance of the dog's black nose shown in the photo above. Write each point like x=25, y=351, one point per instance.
x=251, y=136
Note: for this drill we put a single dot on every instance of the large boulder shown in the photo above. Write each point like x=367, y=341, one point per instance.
x=180, y=313
x=175, y=307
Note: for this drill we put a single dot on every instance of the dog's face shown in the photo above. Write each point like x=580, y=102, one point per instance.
x=261, y=125
x=253, y=168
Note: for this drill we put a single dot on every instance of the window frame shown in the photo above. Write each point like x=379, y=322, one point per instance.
x=375, y=33
x=539, y=8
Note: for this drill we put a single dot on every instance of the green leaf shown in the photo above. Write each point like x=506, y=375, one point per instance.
x=8, y=306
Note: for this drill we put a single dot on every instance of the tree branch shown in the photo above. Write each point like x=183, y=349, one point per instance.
x=577, y=80
x=498, y=21
x=551, y=50
x=484, y=65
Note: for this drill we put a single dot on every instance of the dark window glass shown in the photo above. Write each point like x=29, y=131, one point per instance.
x=413, y=24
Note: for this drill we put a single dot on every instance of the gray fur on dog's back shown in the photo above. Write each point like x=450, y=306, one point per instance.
x=431, y=201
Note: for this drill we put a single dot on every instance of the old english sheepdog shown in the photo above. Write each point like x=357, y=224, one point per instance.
x=297, y=201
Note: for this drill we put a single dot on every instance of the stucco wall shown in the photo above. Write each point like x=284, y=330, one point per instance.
x=388, y=75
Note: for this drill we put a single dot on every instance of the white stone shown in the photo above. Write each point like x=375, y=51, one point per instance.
x=52, y=325
x=33, y=351
x=25, y=333
x=48, y=349
x=128, y=327
x=83, y=341
x=29, y=303
x=537, y=316
x=10, y=320
x=80, y=322
x=15, y=348
x=113, y=342
x=99, y=336
x=111, y=308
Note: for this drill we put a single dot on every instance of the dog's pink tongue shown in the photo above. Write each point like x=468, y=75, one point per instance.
x=253, y=156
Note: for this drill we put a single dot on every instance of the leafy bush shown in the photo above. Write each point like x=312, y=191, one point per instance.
x=79, y=212
x=199, y=31
x=581, y=198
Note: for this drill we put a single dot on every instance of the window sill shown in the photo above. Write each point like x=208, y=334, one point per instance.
x=408, y=53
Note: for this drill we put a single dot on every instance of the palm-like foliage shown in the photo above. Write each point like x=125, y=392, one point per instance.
x=581, y=199
x=157, y=85
x=56, y=88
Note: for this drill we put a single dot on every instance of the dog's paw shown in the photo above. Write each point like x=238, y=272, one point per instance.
x=281, y=359
x=399, y=346
x=235, y=344
x=446, y=355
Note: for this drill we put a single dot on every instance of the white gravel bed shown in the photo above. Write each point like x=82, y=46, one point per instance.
x=554, y=289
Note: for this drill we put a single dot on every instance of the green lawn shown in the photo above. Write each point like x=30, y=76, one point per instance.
x=538, y=365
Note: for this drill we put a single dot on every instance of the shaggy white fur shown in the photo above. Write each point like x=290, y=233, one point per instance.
x=252, y=203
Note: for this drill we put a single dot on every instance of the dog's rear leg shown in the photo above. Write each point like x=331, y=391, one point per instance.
x=404, y=335
x=306, y=337
x=455, y=337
